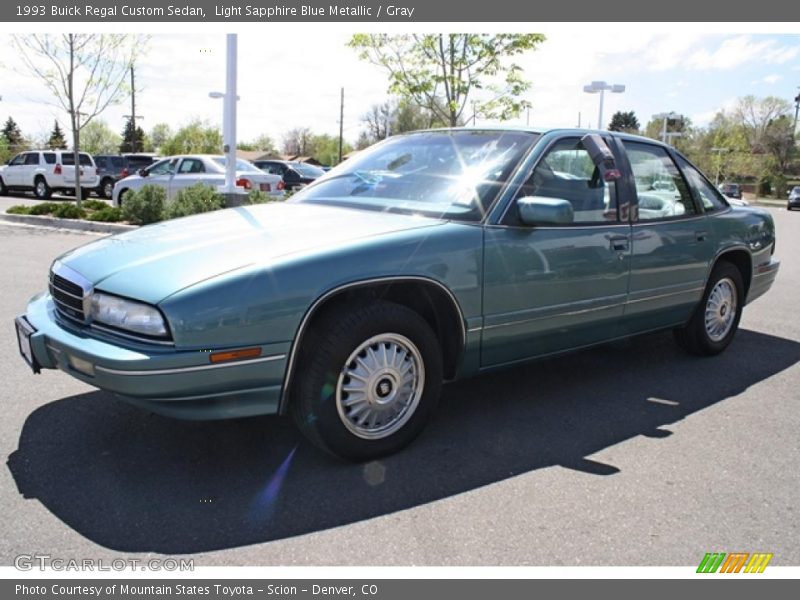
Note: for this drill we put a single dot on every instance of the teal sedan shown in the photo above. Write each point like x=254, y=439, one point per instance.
x=429, y=257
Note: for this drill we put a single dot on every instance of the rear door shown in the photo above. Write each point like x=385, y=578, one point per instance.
x=549, y=288
x=189, y=172
x=672, y=243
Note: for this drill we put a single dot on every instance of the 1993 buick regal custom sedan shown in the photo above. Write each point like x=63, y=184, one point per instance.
x=429, y=257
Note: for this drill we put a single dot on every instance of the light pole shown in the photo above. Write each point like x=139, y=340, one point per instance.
x=602, y=87
x=229, y=99
x=670, y=116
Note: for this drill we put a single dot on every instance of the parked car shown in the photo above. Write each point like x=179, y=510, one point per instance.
x=113, y=167
x=430, y=256
x=794, y=198
x=295, y=175
x=44, y=172
x=177, y=172
x=732, y=190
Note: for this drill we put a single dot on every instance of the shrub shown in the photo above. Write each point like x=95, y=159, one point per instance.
x=45, y=208
x=94, y=204
x=258, y=197
x=145, y=205
x=18, y=209
x=69, y=211
x=107, y=214
x=195, y=199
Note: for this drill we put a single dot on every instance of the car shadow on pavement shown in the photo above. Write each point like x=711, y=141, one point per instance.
x=136, y=482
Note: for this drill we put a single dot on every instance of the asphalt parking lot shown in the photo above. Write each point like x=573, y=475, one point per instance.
x=628, y=454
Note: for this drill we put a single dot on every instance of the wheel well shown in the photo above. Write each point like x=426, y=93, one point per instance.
x=742, y=261
x=429, y=300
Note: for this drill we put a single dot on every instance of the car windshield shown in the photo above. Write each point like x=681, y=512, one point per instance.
x=241, y=165
x=445, y=174
x=307, y=170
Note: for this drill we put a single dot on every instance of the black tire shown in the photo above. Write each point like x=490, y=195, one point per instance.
x=41, y=190
x=328, y=355
x=106, y=188
x=3, y=188
x=121, y=197
x=695, y=336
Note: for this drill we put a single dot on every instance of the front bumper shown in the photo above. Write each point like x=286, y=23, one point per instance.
x=178, y=383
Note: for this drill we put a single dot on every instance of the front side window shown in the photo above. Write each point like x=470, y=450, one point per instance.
x=661, y=191
x=704, y=191
x=164, y=167
x=567, y=172
x=442, y=174
x=19, y=160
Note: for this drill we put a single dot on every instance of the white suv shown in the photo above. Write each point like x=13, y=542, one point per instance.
x=46, y=171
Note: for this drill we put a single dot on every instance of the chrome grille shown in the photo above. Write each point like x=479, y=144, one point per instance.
x=70, y=291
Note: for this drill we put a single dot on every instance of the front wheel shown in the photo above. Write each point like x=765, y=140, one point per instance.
x=3, y=188
x=716, y=319
x=367, y=380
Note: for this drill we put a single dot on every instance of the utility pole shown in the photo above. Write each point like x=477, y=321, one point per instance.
x=341, y=124
x=133, y=116
x=528, y=119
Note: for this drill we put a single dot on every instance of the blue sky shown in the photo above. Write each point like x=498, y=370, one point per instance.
x=288, y=80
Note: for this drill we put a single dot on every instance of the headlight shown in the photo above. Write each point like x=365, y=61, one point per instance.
x=127, y=314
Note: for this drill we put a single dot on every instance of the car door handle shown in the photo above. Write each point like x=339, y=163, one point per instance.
x=619, y=243
x=701, y=236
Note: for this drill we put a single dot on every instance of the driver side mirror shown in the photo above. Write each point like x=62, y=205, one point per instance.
x=143, y=172
x=540, y=210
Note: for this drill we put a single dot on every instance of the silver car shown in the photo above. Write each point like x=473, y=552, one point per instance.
x=176, y=172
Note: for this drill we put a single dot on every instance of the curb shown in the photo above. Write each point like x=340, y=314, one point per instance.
x=72, y=224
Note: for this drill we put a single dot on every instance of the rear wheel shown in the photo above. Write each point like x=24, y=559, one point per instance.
x=716, y=319
x=40, y=189
x=107, y=188
x=368, y=379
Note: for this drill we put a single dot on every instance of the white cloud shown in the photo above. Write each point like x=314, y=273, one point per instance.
x=772, y=79
x=734, y=52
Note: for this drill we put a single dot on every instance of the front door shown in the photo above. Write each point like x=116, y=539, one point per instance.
x=550, y=288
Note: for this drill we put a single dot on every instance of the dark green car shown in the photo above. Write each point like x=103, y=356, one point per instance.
x=429, y=257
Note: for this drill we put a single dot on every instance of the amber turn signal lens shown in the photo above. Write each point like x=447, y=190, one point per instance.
x=219, y=357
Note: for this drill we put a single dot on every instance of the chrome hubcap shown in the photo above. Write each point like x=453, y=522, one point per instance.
x=40, y=188
x=107, y=190
x=380, y=386
x=720, y=309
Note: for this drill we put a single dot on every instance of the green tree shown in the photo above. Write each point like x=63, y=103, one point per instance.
x=13, y=136
x=5, y=151
x=159, y=135
x=624, y=121
x=85, y=72
x=297, y=141
x=99, y=138
x=325, y=148
x=132, y=138
x=57, y=141
x=441, y=72
x=197, y=137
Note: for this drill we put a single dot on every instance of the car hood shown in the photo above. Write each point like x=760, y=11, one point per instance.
x=154, y=262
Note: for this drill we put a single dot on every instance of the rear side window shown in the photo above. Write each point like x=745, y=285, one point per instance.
x=69, y=159
x=661, y=191
x=567, y=172
x=708, y=195
x=32, y=158
x=49, y=157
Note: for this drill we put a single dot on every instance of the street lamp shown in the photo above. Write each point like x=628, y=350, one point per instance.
x=602, y=87
x=670, y=116
x=229, y=98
